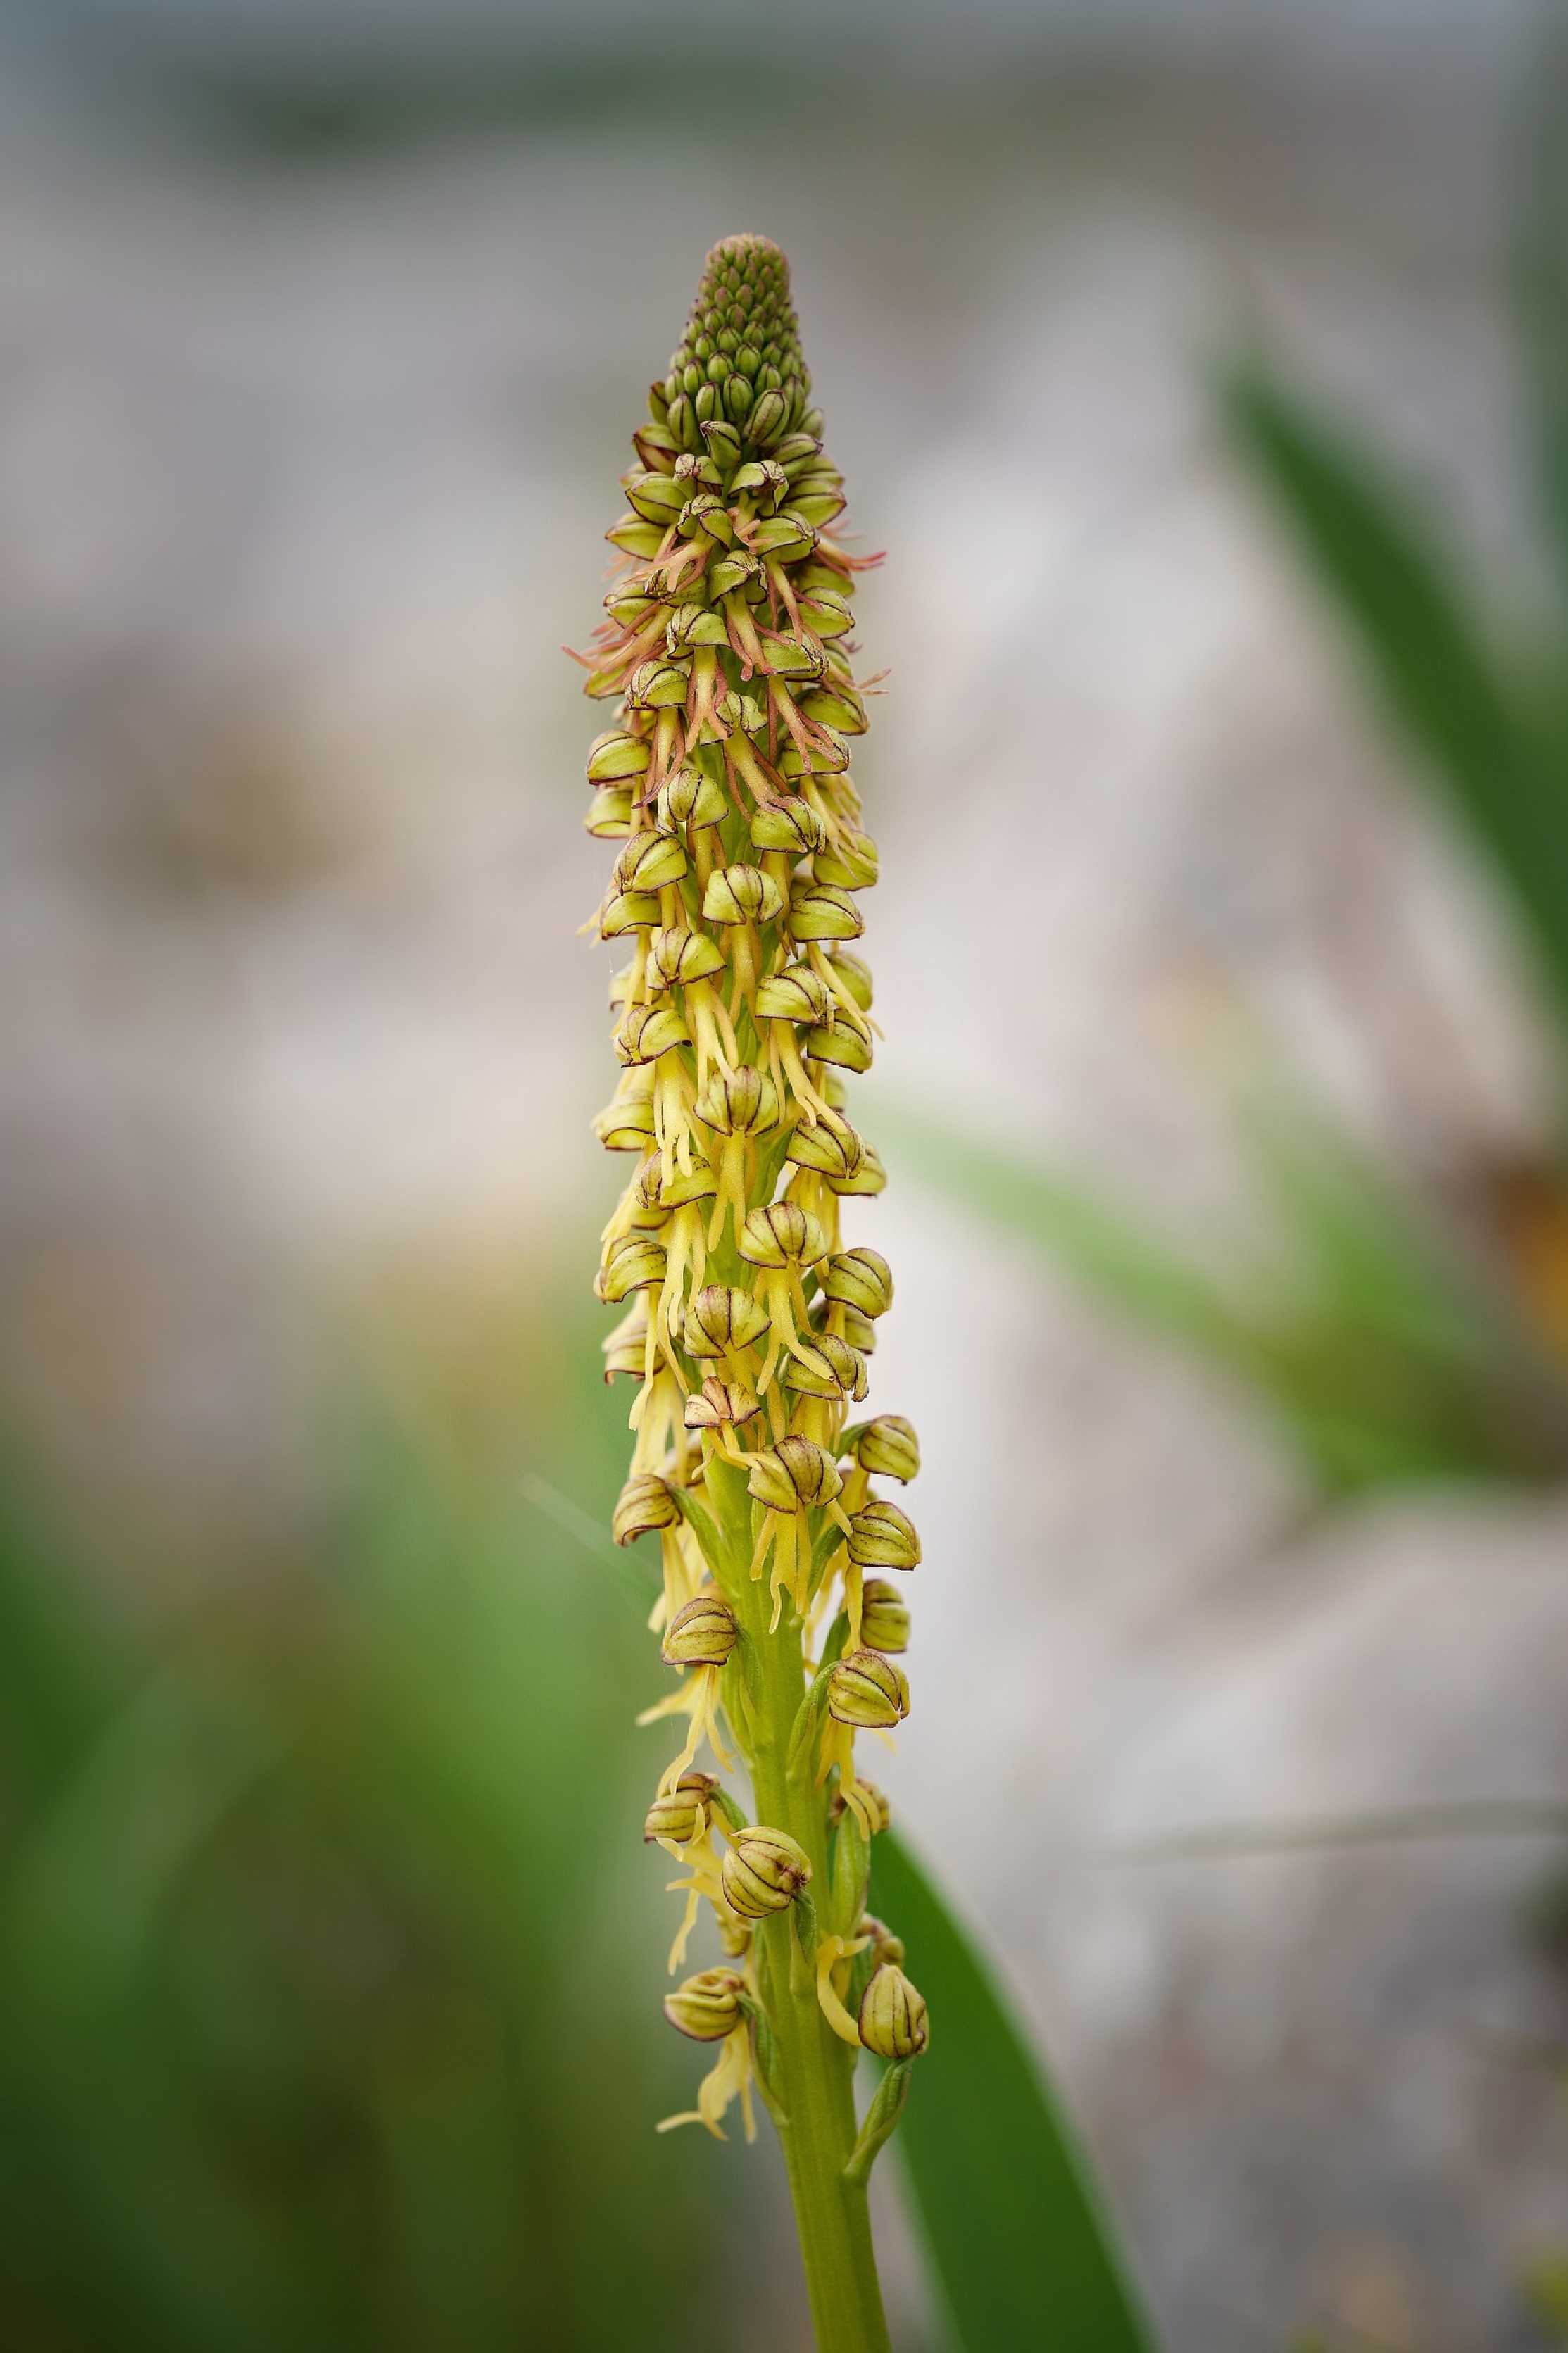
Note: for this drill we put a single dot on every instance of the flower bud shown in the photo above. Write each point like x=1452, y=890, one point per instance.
x=796, y=994
x=885, y=1946
x=882, y=1536
x=721, y=1405
x=829, y=756
x=795, y=1471
x=723, y=441
x=627, y=910
x=856, y=975
x=791, y=826
x=721, y=1318
x=627, y=1123
x=738, y=1102
x=694, y=624
x=731, y=571
x=706, y=516
x=826, y=613
x=676, y=957
x=624, y=1350
x=875, y=1801
x=827, y=1367
x=690, y=798
x=655, y=444
x=859, y=1278
x=609, y=816
x=641, y=1199
x=842, y=1046
x=630, y=602
x=787, y=537
x=657, y=498
x=867, y=1175
x=884, y=1617
x=849, y=861
x=616, y=757
x=825, y=912
x=634, y=1262
x=836, y=1151
x=817, y=507
x=782, y=1235
x=658, y=686
x=857, y=1329
x=648, y=1031
x=893, y=2015
x=770, y=415
x=789, y=656
x=644, y=1504
x=635, y=537
x=887, y=1446
x=702, y=1633
x=836, y=706
x=708, y=2006
x=649, y=860
x=678, y=1814
x=742, y=894
x=765, y=475
x=763, y=1871
x=742, y=710
x=683, y=1185
x=867, y=1692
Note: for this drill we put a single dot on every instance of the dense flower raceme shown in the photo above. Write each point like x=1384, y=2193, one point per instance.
x=740, y=1014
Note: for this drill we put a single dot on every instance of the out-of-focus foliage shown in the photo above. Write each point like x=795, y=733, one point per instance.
x=1381, y=1350
x=1008, y=2213
x=324, y=1970
x=1391, y=1348
x=1501, y=760
x=324, y=1967
x=1490, y=730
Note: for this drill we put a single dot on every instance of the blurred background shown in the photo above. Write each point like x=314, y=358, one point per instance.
x=1222, y=1095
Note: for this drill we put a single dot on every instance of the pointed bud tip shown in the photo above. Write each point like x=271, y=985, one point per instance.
x=751, y=254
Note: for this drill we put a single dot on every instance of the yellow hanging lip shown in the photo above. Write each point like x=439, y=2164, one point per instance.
x=830, y=1952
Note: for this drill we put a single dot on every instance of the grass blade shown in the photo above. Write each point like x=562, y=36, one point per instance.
x=1111, y=1255
x=1436, y=676
x=1021, y=2251
x=1539, y=285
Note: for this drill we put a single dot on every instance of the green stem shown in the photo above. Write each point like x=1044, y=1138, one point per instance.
x=814, y=2070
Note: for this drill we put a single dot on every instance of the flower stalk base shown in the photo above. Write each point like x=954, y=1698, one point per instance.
x=811, y=2095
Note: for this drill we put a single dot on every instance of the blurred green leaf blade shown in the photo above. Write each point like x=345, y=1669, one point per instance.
x=1369, y=1337
x=1538, y=283
x=1010, y=2220
x=1398, y=596
x=1113, y=1255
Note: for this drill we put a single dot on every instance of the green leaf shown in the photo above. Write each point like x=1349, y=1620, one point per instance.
x=1125, y=1266
x=1382, y=1355
x=1538, y=283
x=1396, y=592
x=1020, y=2250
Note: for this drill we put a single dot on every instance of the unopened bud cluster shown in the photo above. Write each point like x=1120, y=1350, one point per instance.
x=742, y=1011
